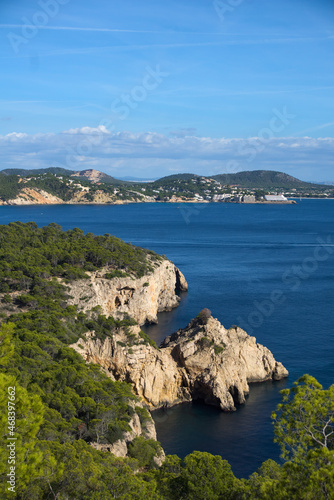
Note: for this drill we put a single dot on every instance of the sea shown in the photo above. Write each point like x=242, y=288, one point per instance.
x=266, y=268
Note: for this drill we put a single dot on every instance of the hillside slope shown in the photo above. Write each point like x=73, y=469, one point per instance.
x=263, y=179
x=60, y=186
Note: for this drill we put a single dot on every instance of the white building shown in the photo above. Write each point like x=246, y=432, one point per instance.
x=274, y=197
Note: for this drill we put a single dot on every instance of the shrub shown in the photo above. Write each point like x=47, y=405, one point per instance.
x=7, y=299
x=144, y=451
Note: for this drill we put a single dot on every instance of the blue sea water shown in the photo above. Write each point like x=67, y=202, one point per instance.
x=267, y=268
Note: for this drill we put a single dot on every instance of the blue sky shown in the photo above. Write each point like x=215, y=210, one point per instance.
x=152, y=88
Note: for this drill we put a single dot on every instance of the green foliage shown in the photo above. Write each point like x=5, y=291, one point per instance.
x=218, y=349
x=264, y=484
x=263, y=179
x=78, y=471
x=84, y=401
x=205, y=342
x=144, y=451
x=260, y=193
x=30, y=255
x=104, y=327
x=63, y=402
x=7, y=299
x=6, y=346
x=37, y=171
x=200, y=476
x=79, y=402
x=147, y=339
x=310, y=479
x=9, y=186
x=304, y=430
x=53, y=185
x=305, y=419
x=143, y=415
x=115, y=274
x=207, y=477
x=18, y=437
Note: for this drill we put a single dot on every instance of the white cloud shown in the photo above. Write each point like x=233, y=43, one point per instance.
x=88, y=130
x=151, y=154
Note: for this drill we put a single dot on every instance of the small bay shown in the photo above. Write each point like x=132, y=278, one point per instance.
x=236, y=259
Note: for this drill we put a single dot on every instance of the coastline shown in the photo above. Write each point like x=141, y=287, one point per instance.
x=194, y=201
x=309, y=198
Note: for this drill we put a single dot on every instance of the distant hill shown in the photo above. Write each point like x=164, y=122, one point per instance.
x=263, y=179
x=255, y=179
x=37, y=171
x=329, y=183
x=90, y=175
x=97, y=176
x=176, y=177
x=9, y=186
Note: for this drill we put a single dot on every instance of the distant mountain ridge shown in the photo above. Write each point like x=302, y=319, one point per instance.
x=182, y=177
x=253, y=179
x=36, y=171
x=90, y=175
x=264, y=179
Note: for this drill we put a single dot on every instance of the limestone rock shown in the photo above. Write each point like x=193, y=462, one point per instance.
x=202, y=361
x=140, y=298
x=118, y=448
x=33, y=196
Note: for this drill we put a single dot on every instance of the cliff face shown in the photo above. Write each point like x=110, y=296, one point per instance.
x=202, y=361
x=33, y=196
x=220, y=363
x=36, y=196
x=140, y=298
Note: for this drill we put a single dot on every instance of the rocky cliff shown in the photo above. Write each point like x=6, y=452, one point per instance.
x=202, y=361
x=140, y=298
x=37, y=196
x=33, y=196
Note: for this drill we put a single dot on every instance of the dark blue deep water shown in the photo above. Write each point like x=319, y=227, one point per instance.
x=269, y=269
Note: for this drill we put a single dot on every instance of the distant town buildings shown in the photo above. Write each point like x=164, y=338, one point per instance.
x=249, y=198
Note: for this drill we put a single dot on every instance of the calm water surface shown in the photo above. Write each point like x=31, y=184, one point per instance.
x=234, y=258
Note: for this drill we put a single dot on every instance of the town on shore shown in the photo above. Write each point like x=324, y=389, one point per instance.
x=61, y=186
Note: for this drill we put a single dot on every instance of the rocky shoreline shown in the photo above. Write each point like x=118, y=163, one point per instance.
x=203, y=361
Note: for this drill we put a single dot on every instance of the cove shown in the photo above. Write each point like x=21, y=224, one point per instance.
x=232, y=256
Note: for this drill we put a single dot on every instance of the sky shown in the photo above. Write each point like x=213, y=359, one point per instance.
x=153, y=88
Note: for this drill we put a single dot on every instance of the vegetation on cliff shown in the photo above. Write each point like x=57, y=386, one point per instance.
x=9, y=187
x=74, y=403
x=29, y=256
x=63, y=404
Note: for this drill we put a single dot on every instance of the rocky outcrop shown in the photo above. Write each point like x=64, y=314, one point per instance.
x=202, y=361
x=91, y=175
x=36, y=196
x=219, y=363
x=33, y=196
x=140, y=298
